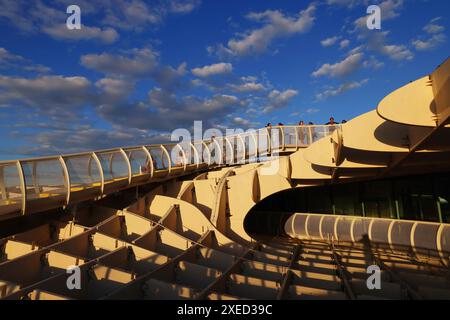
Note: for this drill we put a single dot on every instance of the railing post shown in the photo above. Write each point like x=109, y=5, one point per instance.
x=255, y=143
x=23, y=187
x=219, y=150
x=269, y=141
x=124, y=154
x=34, y=178
x=196, y=156
x=100, y=170
x=164, y=150
x=231, y=151
x=66, y=177
x=310, y=135
x=243, y=147
x=205, y=146
x=150, y=159
x=184, y=157
x=2, y=184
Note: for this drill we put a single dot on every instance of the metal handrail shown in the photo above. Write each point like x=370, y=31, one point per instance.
x=33, y=190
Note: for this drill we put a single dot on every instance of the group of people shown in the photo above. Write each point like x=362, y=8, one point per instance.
x=331, y=122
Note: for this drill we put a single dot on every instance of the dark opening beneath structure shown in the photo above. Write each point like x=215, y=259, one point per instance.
x=419, y=197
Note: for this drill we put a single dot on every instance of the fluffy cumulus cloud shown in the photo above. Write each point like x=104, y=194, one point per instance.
x=329, y=41
x=275, y=25
x=131, y=15
x=247, y=87
x=279, y=99
x=434, y=36
x=343, y=68
x=84, y=137
x=165, y=111
x=9, y=60
x=345, y=3
x=213, y=70
x=335, y=91
x=378, y=41
x=60, y=31
x=138, y=15
x=344, y=43
x=137, y=63
x=53, y=95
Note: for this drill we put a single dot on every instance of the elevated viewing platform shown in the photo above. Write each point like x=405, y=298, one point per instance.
x=38, y=184
x=288, y=212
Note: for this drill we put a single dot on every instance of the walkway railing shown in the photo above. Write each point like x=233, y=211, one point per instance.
x=38, y=184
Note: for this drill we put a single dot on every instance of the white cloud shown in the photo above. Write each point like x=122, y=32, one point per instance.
x=244, y=122
x=114, y=90
x=335, y=91
x=138, y=15
x=183, y=6
x=247, y=87
x=431, y=43
x=329, y=41
x=346, y=3
x=399, y=52
x=435, y=34
x=53, y=95
x=279, y=99
x=161, y=104
x=390, y=8
x=9, y=60
x=276, y=25
x=60, y=31
x=344, y=43
x=137, y=63
x=433, y=28
x=377, y=41
x=49, y=16
x=340, y=69
x=213, y=69
x=373, y=63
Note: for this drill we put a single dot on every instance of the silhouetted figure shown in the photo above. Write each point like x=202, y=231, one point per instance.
x=332, y=125
x=331, y=122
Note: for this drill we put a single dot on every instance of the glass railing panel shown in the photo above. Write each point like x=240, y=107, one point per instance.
x=189, y=153
x=115, y=166
x=250, y=145
x=139, y=161
x=276, y=139
x=239, y=150
x=44, y=179
x=223, y=147
x=319, y=132
x=10, y=188
x=263, y=142
x=303, y=136
x=290, y=136
x=159, y=158
x=202, y=152
x=83, y=171
x=216, y=150
x=176, y=155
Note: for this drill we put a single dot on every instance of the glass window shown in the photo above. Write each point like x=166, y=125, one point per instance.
x=345, y=199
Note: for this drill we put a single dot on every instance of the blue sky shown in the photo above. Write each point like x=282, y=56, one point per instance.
x=139, y=69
